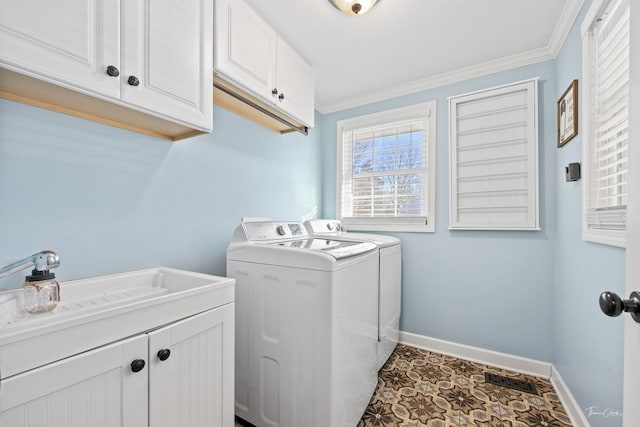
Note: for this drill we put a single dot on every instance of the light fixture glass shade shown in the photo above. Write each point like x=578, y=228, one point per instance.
x=354, y=7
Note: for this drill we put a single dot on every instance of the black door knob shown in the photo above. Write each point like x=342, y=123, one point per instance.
x=281, y=97
x=274, y=91
x=133, y=81
x=137, y=365
x=164, y=354
x=113, y=71
x=612, y=305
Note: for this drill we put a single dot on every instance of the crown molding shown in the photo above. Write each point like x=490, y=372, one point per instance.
x=568, y=17
x=479, y=70
x=565, y=22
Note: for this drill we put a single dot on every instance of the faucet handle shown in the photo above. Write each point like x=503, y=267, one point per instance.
x=46, y=260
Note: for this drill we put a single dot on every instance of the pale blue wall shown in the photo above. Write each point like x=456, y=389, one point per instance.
x=488, y=289
x=588, y=346
x=108, y=200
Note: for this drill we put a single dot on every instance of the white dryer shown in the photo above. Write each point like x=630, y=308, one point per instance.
x=306, y=326
x=390, y=278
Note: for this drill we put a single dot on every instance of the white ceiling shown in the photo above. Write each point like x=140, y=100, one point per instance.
x=402, y=46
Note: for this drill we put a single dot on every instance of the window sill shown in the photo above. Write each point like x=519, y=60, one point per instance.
x=497, y=228
x=606, y=237
x=395, y=228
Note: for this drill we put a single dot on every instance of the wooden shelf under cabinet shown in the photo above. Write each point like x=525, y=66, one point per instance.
x=234, y=105
x=39, y=93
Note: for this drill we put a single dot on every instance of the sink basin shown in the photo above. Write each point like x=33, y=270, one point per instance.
x=123, y=303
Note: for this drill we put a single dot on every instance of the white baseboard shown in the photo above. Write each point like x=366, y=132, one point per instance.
x=496, y=359
x=510, y=362
x=575, y=413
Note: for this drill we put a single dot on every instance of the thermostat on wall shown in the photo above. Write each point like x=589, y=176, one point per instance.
x=572, y=172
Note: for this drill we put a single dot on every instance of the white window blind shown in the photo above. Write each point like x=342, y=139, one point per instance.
x=493, y=158
x=607, y=127
x=385, y=175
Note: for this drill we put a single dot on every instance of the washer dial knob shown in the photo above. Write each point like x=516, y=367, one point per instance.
x=280, y=230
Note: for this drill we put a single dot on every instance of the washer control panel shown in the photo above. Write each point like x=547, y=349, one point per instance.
x=320, y=226
x=274, y=230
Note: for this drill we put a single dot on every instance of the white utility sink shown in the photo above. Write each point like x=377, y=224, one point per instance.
x=126, y=303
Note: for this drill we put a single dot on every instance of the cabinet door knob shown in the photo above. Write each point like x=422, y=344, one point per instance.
x=281, y=97
x=137, y=365
x=164, y=354
x=274, y=91
x=133, y=81
x=113, y=71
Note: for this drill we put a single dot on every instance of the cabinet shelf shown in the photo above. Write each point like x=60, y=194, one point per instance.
x=39, y=93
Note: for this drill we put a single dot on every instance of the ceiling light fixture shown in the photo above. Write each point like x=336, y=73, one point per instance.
x=353, y=7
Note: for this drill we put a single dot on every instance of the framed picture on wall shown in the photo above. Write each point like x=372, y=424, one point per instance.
x=568, y=114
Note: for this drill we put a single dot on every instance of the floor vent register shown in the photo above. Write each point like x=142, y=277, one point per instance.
x=513, y=383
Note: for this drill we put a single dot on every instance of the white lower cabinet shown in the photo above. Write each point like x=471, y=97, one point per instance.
x=178, y=375
x=194, y=386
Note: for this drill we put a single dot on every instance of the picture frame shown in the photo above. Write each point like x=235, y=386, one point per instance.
x=568, y=114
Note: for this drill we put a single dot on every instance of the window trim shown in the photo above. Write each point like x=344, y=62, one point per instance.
x=422, y=109
x=603, y=236
x=534, y=181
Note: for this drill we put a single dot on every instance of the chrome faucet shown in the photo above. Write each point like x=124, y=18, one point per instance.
x=41, y=261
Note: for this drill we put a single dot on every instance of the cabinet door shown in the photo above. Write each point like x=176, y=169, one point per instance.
x=70, y=42
x=168, y=49
x=245, y=48
x=295, y=84
x=93, y=389
x=193, y=387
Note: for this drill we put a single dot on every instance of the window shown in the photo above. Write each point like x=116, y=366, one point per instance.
x=605, y=51
x=493, y=156
x=386, y=170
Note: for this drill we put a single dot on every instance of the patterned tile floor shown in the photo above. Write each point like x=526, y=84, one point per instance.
x=419, y=388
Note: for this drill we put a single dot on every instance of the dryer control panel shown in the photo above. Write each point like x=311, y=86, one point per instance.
x=274, y=230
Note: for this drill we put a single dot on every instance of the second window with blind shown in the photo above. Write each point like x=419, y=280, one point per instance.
x=386, y=170
x=605, y=55
x=494, y=158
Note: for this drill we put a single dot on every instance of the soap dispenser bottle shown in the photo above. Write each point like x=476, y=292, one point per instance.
x=41, y=291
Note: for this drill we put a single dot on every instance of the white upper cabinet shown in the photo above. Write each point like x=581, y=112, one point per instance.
x=152, y=56
x=245, y=48
x=295, y=84
x=168, y=58
x=68, y=41
x=250, y=54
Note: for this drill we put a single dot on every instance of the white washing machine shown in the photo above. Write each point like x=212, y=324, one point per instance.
x=390, y=278
x=306, y=326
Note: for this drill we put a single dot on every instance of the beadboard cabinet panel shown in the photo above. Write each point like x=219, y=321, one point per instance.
x=92, y=389
x=168, y=50
x=69, y=41
x=194, y=386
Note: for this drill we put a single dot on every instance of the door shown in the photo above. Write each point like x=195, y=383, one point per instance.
x=245, y=50
x=93, y=389
x=632, y=329
x=71, y=42
x=295, y=84
x=168, y=58
x=191, y=371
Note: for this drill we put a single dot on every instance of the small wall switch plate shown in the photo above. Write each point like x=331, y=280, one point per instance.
x=572, y=172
